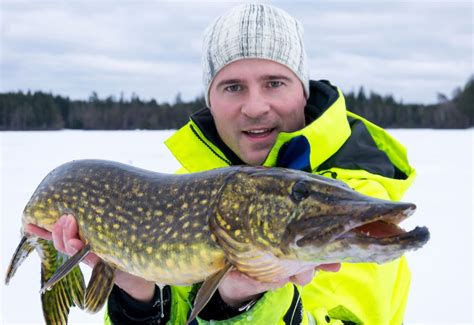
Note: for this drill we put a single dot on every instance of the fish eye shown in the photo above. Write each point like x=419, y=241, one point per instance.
x=300, y=191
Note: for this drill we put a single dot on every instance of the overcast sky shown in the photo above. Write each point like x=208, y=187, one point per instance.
x=410, y=49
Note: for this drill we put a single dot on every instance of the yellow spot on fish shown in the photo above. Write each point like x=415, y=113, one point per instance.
x=175, y=235
x=65, y=191
x=167, y=231
x=139, y=209
x=84, y=194
x=158, y=213
x=120, y=244
x=98, y=219
x=101, y=200
x=147, y=227
x=133, y=238
x=74, y=197
x=237, y=233
x=169, y=263
x=134, y=226
x=149, y=249
x=184, y=206
x=204, y=202
x=101, y=236
x=106, y=186
x=116, y=226
x=198, y=235
x=186, y=225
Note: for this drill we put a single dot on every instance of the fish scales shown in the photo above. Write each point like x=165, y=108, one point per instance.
x=145, y=223
x=269, y=223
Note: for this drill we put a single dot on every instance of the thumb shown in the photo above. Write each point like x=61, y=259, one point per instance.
x=303, y=278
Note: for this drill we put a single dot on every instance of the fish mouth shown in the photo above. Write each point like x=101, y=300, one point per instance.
x=373, y=237
x=384, y=233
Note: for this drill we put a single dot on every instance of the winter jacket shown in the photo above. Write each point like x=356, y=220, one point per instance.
x=335, y=143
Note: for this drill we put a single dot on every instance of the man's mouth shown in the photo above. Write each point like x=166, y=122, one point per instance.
x=259, y=133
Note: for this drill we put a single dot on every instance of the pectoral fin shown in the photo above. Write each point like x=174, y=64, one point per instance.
x=207, y=290
x=67, y=267
x=99, y=287
x=21, y=253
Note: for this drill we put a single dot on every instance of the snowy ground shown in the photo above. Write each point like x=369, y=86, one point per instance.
x=442, y=282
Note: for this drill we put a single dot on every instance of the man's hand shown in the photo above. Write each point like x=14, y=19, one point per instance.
x=237, y=288
x=66, y=240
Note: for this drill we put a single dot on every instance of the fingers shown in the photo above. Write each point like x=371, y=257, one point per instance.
x=333, y=267
x=58, y=234
x=65, y=237
x=71, y=241
x=38, y=231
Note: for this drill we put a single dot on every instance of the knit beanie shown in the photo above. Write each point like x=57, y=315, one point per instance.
x=254, y=31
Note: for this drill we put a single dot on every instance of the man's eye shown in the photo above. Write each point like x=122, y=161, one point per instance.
x=275, y=84
x=233, y=88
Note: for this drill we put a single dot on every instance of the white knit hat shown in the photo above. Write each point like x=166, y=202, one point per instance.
x=254, y=31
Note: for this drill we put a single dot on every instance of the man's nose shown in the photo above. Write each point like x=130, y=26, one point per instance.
x=255, y=105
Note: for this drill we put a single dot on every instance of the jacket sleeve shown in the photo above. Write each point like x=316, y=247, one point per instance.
x=123, y=309
x=280, y=306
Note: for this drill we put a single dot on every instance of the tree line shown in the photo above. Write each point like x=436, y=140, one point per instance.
x=44, y=111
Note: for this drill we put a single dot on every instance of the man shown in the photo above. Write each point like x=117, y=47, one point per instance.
x=264, y=110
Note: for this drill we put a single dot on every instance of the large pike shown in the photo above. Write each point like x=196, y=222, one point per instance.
x=269, y=223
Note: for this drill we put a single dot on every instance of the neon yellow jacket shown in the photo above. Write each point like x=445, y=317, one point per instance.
x=335, y=143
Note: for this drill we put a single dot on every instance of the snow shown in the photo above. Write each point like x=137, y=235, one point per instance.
x=442, y=284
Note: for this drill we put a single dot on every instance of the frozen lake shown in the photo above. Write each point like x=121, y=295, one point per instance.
x=442, y=283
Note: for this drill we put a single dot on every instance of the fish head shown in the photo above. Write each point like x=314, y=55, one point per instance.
x=311, y=218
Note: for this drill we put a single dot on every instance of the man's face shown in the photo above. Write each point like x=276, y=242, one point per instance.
x=252, y=100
